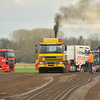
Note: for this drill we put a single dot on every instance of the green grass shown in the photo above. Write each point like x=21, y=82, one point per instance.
x=23, y=65
x=30, y=70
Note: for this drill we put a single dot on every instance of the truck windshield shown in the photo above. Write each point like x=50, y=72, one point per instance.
x=10, y=54
x=2, y=54
x=51, y=49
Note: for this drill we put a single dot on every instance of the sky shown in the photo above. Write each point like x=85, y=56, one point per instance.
x=31, y=14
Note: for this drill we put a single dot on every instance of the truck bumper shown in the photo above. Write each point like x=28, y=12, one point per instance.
x=7, y=68
x=51, y=65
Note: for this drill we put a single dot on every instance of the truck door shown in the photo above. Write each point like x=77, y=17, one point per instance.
x=2, y=58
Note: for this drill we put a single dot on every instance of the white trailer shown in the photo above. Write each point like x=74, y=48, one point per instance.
x=76, y=58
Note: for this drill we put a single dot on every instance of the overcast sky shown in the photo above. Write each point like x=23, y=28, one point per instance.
x=31, y=14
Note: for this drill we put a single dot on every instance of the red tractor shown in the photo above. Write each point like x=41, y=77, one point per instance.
x=7, y=60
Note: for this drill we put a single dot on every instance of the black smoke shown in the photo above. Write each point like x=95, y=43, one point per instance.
x=82, y=11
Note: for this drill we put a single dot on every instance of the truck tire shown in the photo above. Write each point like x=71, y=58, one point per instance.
x=40, y=70
x=63, y=70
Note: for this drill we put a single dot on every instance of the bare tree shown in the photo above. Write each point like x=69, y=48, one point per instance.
x=23, y=42
x=93, y=40
x=80, y=40
x=4, y=43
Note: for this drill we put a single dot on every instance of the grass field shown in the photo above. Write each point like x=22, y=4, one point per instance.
x=25, y=67
x=30, y=70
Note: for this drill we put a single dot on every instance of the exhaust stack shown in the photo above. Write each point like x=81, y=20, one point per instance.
x=56, y=29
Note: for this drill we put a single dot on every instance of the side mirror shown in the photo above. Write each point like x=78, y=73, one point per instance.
x=65, y=48
x=36, y=49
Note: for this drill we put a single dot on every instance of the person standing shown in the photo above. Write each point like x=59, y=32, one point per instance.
x=90, y=62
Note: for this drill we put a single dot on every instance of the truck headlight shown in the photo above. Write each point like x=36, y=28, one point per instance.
x=42, y=63
x=58, y=56
x=60, y=62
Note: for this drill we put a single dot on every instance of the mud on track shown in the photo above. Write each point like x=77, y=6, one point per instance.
x=49, y=86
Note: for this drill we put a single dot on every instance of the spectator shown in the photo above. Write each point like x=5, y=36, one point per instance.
x=90, y=62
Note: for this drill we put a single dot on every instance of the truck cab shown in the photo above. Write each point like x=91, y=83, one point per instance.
x=51, y=55
x=7, y=60
x=77, y=57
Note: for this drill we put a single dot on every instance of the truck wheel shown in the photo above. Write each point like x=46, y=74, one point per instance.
x=40, y=70
x=63, y=70
x=60, y=70
x=82, y=69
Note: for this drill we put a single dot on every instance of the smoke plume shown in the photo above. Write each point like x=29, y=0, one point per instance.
x=84, y=11
x=58, y=19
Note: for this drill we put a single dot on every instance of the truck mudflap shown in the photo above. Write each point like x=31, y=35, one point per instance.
x=36, y=64
x=68, y=64
x=92, y=67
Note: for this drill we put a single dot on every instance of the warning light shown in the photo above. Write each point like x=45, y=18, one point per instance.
x=41, y=40
x=59, y=40
x=50, y=39
x=39, y=58
x=62, y=58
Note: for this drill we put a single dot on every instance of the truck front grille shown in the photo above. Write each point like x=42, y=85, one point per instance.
x=52, y=58
x=51, y=62
x=11, y=66
x=11, y=61
x=50, y=65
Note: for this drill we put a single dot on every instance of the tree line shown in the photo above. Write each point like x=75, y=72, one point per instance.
x=23, y=42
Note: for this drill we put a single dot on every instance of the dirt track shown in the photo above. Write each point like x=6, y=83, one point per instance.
x=49, y=86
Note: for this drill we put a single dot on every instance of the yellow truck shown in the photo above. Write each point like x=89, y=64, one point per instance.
x=51, y=55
